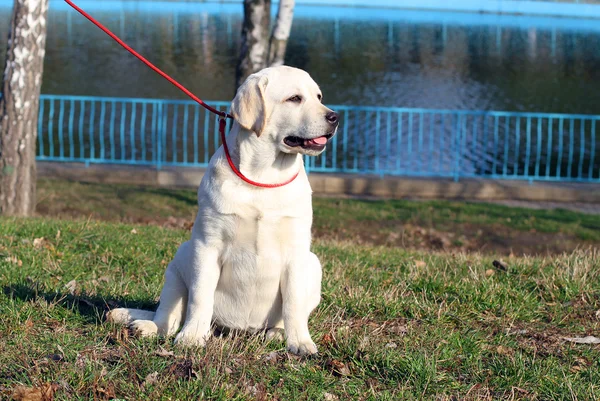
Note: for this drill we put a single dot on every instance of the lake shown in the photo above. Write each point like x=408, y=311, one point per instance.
x=359, y=56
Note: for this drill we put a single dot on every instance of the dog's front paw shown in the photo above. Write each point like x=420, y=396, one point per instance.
x=302, y=348
x=186, y=339
x=144, y=328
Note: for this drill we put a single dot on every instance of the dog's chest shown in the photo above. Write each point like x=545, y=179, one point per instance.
x=263, y=234
x=259, y=247
x=251, y=270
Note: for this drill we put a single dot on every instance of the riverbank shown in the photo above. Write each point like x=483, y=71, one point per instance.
x=456, y=226
x=345, y=185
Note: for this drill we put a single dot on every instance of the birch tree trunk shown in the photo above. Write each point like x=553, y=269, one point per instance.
x=281, y=32
x=19, y=106
x=255, y=38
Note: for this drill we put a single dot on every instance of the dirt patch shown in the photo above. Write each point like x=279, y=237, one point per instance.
x=490, y=239
x=460, y=237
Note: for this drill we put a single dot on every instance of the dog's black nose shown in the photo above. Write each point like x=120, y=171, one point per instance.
x=332, y=117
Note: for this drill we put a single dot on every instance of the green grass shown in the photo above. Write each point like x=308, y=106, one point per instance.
x=459, y=226
x=445, y=215
x=393, y=324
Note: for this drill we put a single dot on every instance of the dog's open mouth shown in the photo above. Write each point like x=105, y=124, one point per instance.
x=307, y=143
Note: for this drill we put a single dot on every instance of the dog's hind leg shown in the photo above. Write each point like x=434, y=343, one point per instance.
x=127, y=315
x=170, y=313
x=173, y=299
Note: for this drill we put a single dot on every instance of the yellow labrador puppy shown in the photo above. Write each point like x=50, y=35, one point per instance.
x=248, y=263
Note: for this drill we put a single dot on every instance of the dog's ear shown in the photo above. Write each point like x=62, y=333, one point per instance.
x=249, y=107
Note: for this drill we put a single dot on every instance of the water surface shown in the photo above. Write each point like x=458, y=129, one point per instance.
x=359, y=56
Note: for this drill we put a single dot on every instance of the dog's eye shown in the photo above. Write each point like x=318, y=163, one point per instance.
x=295, y=99
x=320, y=97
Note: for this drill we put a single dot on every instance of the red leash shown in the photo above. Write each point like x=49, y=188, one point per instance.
x=222, y=115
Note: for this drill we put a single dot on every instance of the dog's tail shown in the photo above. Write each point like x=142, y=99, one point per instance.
x=128, y=315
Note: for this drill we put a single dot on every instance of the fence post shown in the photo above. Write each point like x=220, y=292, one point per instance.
x=457, y=152
x=158, y=138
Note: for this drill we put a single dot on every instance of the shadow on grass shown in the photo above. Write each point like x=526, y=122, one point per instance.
x=177, y=195
x=91, y=307
x=123, y=192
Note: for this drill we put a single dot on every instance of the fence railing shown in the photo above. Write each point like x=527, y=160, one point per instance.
x=371, y=140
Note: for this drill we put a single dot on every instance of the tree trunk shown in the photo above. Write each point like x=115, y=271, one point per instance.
x=281, y=32
x=255, y=38
x=19, y=106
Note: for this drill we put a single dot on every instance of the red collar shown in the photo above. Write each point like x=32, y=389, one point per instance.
x=222, y=125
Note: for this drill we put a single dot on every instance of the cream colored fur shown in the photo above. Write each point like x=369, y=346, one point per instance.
x=248, y=263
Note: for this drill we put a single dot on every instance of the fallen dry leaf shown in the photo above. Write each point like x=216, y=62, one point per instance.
x=80, y=361
x=150, y=379
x=490, y=272
x=339, y=368
x=183, y=370
x=580, y=364
x=502, y=350
x=163, y=352
x=330, y=397
x=583, y=340
x=513, y=331
x=398, y=329
x=71, y=286
x=106, y=392
x=42, y=393
x=328, y=340
x=14, y=260
x=271, y=356
x=258, y=391
x=97, y=281
x=38, y=242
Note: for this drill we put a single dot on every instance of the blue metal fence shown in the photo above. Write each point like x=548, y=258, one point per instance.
x=371, y=140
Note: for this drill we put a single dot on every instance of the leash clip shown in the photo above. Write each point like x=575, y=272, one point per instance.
x=222, y=121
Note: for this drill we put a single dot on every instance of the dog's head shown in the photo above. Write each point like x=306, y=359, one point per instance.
x=284, y=104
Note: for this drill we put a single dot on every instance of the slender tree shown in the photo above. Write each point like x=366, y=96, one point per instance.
x=281, y=32
x=19, y=106
x=255, y=38
x=258, y=51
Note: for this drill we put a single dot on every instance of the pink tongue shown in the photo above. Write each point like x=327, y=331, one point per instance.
x=318, y=141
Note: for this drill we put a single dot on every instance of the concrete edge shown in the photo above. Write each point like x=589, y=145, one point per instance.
x=342, y=184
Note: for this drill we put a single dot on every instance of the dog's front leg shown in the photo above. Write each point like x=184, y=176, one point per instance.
x=201, y=278
x=301, y=293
